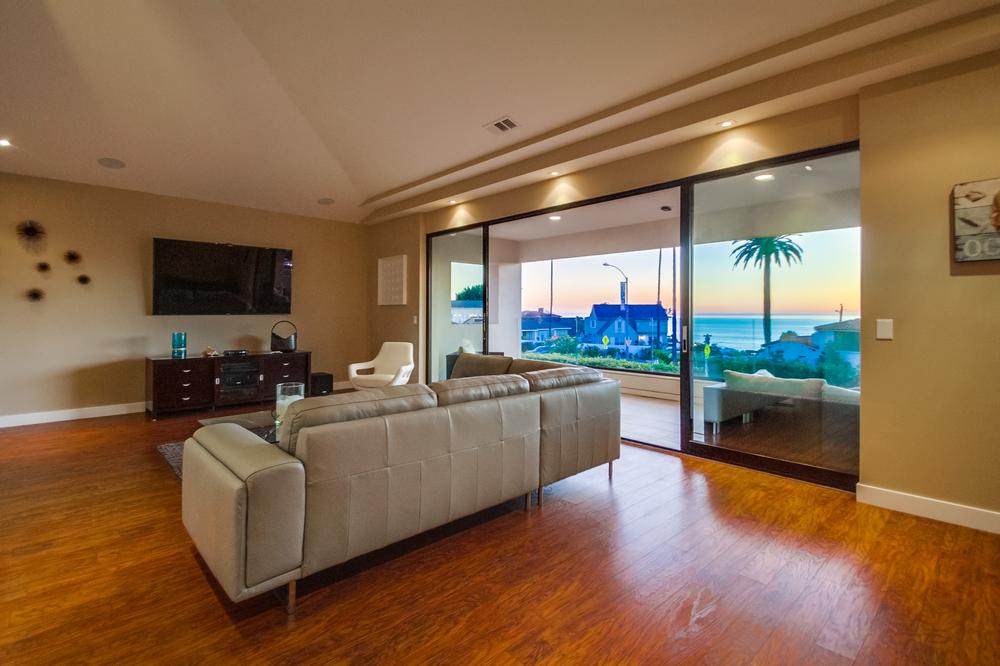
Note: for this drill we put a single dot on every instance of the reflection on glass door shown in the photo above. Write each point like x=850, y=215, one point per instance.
x=775, y=288
x=457, y=292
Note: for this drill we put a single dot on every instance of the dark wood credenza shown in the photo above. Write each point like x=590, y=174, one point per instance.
x=174, y=384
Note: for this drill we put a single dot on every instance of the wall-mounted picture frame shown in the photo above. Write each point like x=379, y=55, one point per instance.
x=392, y=280
x=975, y=227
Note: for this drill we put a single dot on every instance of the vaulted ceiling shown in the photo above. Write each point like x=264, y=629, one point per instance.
x=380, y=105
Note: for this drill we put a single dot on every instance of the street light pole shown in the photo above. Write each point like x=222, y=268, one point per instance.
x=626, y=289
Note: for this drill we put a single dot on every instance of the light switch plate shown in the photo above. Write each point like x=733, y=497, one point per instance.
x=883, y=329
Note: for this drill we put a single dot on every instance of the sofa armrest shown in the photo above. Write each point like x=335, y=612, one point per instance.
x=243, y=503
x=712, y=396
x=581, y=428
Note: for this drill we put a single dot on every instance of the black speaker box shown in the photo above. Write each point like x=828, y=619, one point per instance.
x=321, y=383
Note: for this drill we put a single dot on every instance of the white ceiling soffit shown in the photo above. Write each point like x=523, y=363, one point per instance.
x=624, y=212
x=277, y=105
x=827, y=175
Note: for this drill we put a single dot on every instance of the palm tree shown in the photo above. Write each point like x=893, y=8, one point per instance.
x=764, y=251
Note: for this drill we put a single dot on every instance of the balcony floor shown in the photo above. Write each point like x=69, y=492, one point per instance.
x=772, y=434
x=651, y=420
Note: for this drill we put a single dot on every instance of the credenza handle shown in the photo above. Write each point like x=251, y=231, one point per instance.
x=286, y=363
x=186, y=370
x=285, y=376
x=186, y=385
x=186, y=399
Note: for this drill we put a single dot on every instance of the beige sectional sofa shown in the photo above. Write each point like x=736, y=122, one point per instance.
x=355, y=472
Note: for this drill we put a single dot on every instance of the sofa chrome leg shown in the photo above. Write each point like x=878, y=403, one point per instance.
x=290, y=599
x=539, y=495
x=527, y=501
x=611, y=469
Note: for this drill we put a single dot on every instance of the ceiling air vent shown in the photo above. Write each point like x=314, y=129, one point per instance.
x=501, y=125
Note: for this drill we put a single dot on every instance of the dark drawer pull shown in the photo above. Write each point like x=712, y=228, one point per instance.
x=186, y=385
x=285, y=376
x=186, y=370
x=186, y=399
x=286, y=363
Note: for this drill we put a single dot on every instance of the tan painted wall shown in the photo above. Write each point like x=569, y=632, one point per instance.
x=84, y=346
x=929, y=416
x=394, y=322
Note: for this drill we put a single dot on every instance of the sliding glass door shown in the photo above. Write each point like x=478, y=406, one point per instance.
x=457, y=298
x=773, y=344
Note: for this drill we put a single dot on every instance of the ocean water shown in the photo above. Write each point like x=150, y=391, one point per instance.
x=747, y=331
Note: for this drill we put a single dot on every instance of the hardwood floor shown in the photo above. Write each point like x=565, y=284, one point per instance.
x=677, y=560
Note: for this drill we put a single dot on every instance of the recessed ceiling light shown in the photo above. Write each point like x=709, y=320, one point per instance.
x=324, y=201
x=453, y=201
x=764, y=177
x=111, y=163
x=554, y=218
x=5, y=143
x=726, y=124
x=553, y=173
x=808, y=168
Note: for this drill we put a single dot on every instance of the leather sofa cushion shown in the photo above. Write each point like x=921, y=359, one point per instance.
x=543, y=380
x=521, y=365
x=467, y=389
x=478, y=365
x=351, y=407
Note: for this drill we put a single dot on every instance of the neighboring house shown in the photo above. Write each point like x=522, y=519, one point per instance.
x=846, y=339
x=635, y=324
x=791, y=350
x=846, y=335
x=466, y=312
x=540, y=326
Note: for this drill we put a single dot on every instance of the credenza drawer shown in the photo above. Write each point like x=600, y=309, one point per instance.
x=183, y=399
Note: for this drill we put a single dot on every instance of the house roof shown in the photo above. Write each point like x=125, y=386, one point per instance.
x=605, y=311
x=774, y=343
x=536, y=323
x=849, y=325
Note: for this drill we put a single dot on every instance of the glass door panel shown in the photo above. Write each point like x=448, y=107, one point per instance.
x=774, y=344
x=456, y=291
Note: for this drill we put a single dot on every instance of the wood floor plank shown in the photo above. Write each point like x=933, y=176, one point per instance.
x=675, y=560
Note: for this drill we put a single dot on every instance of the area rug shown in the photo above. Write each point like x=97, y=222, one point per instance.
x=173, y=453
x=259, y=423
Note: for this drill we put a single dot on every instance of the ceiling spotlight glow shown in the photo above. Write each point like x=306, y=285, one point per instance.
x=453, y=202
x=726, y=124
x=764, y=177
x=5, y=143
x=554, y=218
x=553, y=173
x=808, y=168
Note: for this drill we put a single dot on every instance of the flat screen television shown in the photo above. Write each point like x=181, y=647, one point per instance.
x=191, y=278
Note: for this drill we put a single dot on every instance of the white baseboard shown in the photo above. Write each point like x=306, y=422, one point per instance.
x=928, y=507
x=11, y=420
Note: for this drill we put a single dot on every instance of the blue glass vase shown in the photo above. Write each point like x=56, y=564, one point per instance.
x=178, y=344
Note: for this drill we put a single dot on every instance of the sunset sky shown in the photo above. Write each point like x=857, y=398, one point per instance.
x=829, y=275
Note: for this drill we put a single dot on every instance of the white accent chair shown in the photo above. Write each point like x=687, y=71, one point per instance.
x=392, y=366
